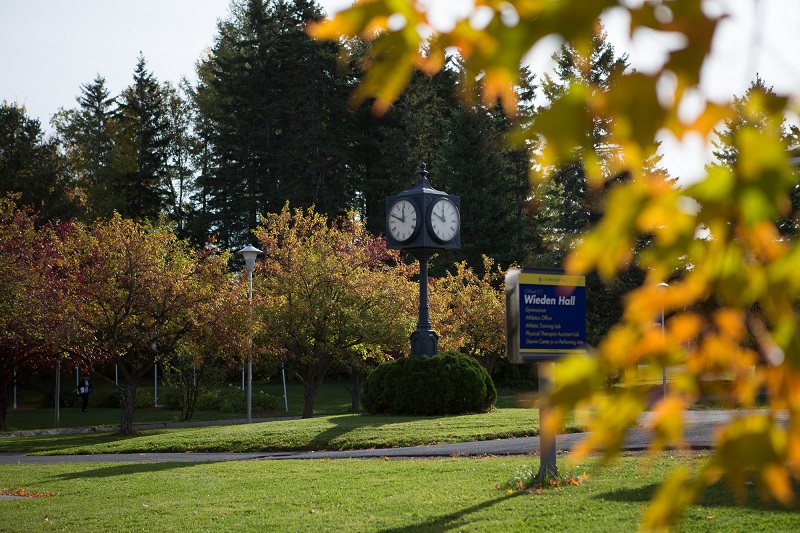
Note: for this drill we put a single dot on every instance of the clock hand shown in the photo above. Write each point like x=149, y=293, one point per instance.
x=398, y=218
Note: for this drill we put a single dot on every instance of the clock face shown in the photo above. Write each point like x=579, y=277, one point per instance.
x=444, y=220
x=403, y=221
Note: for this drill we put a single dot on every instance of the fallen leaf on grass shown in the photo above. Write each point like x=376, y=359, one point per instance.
x=21, y=492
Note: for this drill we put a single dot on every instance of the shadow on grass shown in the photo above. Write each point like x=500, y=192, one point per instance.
x=344, y=424
x=43, y=444
x=447, y=521
x=718, y=495
x=334, y=438
x=123, y=470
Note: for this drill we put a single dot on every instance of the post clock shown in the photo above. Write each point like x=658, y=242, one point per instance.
x=423, y=221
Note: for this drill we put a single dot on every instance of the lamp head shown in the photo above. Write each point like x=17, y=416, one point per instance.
x=249, y=253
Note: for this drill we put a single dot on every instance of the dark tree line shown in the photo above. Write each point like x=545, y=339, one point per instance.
x=31, y=166
x=266, y=123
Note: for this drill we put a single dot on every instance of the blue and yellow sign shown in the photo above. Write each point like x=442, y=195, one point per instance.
x=545, y=314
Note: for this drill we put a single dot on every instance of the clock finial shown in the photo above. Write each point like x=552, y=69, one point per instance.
x=423, y=177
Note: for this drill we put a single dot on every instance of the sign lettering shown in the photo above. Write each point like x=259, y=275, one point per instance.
x=545, y=314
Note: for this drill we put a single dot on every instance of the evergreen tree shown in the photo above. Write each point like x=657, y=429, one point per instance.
x=751, y=111
x=491, y=177
x=568, y=206
x=87, y=135
x=199, y=224
x=272, y=110
x=389, y=149
x=755, y=112
x=32, y=166
x=144, y=129
x=182, y=152
x=465, y=153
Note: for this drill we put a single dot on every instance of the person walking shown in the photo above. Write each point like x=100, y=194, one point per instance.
x=84, y=389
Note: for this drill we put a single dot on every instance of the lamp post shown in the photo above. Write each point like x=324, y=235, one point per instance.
x=250, y=253
x=663, y=287
x=58, y=393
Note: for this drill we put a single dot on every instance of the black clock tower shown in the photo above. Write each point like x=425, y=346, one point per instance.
x=423, y=221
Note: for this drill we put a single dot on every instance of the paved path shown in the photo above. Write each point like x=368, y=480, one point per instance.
x=699, y=434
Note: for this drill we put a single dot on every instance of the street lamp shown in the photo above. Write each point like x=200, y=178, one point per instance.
x=250, y=253
x=663, y=287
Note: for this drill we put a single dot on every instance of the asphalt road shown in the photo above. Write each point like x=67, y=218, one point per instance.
x=699, y=434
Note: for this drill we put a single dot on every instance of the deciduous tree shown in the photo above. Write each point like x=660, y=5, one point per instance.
x=469, y=313
x=219, y=337
x=30, y=279
x=330, y=292
x=135, y=293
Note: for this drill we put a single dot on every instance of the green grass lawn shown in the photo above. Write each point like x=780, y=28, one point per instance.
x=333, y=429
x=454, y=494
x=361, y=495
x=337, y=432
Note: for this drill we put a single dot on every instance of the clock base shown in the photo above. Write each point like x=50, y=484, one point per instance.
x=424, y=343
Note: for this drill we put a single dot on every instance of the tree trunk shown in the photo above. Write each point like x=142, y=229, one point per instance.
x=192, y=393
x=355, y=391
x=310, y=391
x=128, y=403
x=491, y=360
x=315, y=375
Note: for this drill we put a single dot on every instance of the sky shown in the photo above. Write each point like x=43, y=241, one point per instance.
x=49, y=48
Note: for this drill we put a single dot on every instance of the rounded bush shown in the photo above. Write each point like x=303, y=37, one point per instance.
x=448, y=384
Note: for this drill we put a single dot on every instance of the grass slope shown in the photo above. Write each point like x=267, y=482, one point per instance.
x=360, y=495
x=339, y=432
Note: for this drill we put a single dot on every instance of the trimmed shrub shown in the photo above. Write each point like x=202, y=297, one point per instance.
x=105, y=398
x=449, y=384
x=234, y=400
x=170, y=398
x=208, y=401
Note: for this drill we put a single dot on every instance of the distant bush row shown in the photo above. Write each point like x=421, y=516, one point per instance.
x=226, y=400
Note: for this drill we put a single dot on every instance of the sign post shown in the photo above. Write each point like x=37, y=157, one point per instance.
x=545, y=320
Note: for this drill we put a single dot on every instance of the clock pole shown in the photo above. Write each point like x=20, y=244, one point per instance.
x=424, y=341
x=435, y=225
